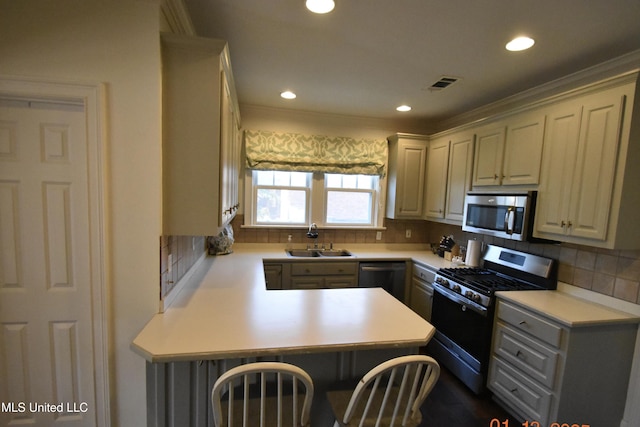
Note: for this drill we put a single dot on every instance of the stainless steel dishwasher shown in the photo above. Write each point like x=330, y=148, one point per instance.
x=384, y=274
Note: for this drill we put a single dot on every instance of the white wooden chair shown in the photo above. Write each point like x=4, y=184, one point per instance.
x=388, y=395
x=240, y=401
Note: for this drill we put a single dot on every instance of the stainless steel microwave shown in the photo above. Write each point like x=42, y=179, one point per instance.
x=505, y=215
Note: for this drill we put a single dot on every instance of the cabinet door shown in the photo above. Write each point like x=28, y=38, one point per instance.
x=523, y=150
x=459, y=178
x=487, y=168
x=227, y=134
x=411, y=171
x=436, y=179
x=561, y=144
x=340, y=282
x=421, y=298
x=273, y=276
x=595, y=166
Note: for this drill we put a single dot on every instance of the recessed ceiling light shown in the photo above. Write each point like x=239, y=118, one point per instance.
x=288, y=95
x=520, y=43
x=320, y=6
x=403, y=108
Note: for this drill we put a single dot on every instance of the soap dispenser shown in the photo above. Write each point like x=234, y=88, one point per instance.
x=289, y=243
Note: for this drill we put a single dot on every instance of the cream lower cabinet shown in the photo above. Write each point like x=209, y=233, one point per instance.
x=200, y=145
x=421, y=298
x=546, y=372
x=449, y=169
x=406, y=177
x=321, y=275
x=588, y=192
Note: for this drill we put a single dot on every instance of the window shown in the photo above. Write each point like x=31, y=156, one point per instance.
x=300, y=198
x=281, y=197
x=349, y=199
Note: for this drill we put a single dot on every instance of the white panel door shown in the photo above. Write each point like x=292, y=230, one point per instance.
x=46, y=335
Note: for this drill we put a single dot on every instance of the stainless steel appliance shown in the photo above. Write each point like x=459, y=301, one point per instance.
x=388, y=275
x=464, y=303
x=505, y=215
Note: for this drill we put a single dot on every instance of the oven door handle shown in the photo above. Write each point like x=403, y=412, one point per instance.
x=465, y=303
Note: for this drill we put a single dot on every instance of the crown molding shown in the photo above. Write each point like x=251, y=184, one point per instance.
x=624, y=64
x=177, y=17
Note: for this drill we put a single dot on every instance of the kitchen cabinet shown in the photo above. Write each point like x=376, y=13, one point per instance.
x=459, y=174
x=449, y=169
x=320, y=275
x=421, y=299
x=546, y=371
x=510, y=152
x=406, y=177
x=273, y=275
x=588, y=189
x=200, y=119
x=436, y=178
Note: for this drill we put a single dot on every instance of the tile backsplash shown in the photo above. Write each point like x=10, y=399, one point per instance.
x=184, y=251
x=615, y=273
x=610, y=272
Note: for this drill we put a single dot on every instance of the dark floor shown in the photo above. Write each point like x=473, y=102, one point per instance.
x=452, y=404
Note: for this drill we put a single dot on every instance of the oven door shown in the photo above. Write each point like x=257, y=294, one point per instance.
x=462, y=325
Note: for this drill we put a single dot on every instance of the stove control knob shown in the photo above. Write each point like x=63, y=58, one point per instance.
x=469, y=294
x=456, y=288
x=442, y=281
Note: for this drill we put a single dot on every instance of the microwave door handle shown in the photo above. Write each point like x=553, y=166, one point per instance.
x=508, y=220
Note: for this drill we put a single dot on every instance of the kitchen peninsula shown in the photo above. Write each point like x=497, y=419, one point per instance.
x=225, y=316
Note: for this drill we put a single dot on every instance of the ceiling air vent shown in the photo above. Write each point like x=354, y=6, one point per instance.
x=443, y=82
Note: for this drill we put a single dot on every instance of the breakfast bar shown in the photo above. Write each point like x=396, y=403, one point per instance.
x=225, y=317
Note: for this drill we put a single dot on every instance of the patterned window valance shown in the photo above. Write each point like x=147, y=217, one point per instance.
x=313, y=153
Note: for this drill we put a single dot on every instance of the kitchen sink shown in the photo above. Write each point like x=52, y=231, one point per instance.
x=317, y=253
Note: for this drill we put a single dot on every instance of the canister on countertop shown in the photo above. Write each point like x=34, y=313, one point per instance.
x=474, y=250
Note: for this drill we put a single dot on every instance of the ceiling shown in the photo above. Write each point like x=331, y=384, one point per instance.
x=369, y=56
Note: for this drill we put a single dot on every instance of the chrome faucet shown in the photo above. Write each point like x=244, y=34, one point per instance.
x=313, y=234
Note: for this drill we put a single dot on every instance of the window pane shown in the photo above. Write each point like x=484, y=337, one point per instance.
x=345, y=207
x=365, y=182
x=263, y=177
x=282, y=179
x=281, y=206
x=334, y=180
x=350, y=181
x=299, y=179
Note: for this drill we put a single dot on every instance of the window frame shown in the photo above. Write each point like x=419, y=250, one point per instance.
x=316, y=204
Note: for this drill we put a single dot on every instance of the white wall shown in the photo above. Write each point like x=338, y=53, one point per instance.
x=114, y=42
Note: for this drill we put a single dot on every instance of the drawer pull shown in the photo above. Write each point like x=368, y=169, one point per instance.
x=519, y=354
x=523, y=322
x=515, y=391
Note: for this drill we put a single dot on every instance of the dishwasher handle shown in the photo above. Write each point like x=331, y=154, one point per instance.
x=378, y=269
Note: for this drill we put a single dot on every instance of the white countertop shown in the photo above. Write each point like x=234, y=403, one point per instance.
x=567, y=309
x=226, y=312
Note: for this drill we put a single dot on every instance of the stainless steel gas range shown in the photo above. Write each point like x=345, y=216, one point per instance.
x=464, y=304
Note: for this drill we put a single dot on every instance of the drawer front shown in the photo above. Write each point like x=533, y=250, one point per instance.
x=530, y=399
x=423, y=273
x=530, y=323
x=530, y=356
x=323, y=268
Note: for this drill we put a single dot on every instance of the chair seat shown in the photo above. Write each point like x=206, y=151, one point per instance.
x=271, y=408
x=339, y=400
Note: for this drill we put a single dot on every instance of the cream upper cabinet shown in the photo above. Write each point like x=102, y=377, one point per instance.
x=436, y=184
x=523, y=149
x=487, y=162
x=449, y=169
x=200, y=136
x=406, y=178
x=588, y=193
x=510, y=153
x=459, y=175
